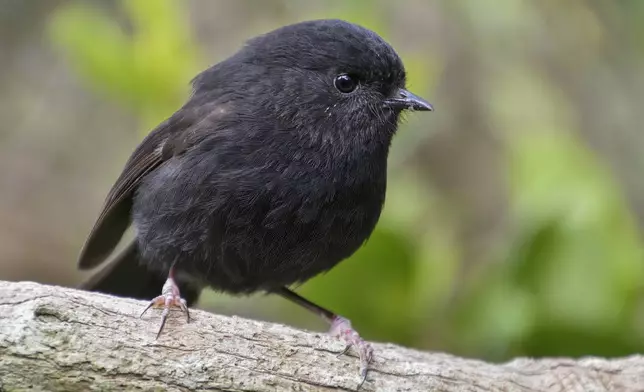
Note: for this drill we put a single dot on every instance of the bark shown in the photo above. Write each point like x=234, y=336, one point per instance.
x=60, y=339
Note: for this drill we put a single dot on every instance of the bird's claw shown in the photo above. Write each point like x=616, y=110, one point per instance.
x=341, y=328
x=170, y=297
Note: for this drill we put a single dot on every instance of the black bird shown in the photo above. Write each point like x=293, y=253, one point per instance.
x=273, y=171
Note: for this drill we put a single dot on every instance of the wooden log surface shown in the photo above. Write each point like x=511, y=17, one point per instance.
x=60, y=339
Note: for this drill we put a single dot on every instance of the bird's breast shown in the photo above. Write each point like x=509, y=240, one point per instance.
x=252, y=227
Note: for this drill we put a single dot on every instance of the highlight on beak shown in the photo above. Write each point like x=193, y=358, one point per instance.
x=404, y=100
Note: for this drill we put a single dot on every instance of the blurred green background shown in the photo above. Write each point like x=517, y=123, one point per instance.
x=514, y=215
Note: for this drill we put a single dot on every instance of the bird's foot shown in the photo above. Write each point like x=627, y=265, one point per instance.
x=341, y=328
x=169, y=298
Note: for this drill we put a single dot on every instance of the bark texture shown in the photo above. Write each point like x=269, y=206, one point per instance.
x=60, y=339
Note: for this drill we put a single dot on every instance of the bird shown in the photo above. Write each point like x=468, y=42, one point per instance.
x=272, y=172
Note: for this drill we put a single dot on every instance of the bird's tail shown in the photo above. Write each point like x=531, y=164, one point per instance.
x=125, y=276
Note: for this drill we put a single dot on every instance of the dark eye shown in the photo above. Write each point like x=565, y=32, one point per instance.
x=345, y=83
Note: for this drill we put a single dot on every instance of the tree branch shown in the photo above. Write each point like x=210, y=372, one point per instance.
x=59, y=339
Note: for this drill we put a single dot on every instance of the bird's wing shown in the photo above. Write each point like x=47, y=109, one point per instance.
x=114, y=219
x=169, y=139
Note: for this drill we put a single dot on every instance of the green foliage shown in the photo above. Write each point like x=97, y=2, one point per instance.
x=147, y=70
x=569, y=284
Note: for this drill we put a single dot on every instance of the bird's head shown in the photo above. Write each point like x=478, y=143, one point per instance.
x=322, y=77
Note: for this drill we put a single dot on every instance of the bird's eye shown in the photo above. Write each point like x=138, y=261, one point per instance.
x=345, y=83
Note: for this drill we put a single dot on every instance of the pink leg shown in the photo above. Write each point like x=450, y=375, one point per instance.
x=170, y=297
x=340, y=328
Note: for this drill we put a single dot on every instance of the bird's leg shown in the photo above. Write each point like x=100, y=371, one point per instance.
x=340, y=328
x=170, y=296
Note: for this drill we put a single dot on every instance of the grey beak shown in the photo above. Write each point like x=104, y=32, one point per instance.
x=404, y=100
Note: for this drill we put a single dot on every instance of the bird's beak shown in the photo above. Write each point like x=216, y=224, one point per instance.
x=403, y=100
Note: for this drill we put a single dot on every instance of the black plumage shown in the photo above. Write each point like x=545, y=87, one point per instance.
x=274, y=171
